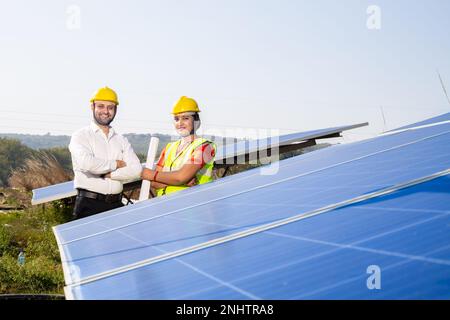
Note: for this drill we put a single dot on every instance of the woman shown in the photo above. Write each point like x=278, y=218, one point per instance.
x=186, y=162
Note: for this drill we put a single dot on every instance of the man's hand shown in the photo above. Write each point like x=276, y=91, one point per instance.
x=121, y=164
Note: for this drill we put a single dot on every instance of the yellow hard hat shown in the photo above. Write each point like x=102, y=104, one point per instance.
x=105, y=94
x=185, y=104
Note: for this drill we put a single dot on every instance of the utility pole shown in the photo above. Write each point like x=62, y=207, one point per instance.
x=443, y=86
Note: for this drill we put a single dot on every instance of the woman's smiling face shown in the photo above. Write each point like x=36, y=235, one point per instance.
x=184, y=123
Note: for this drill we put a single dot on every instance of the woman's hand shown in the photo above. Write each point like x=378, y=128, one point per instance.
x=158, y=185
x=147, y=174
x=174, y=178
x=192, y=183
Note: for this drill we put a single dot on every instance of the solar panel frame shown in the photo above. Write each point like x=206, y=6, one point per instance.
x=430, y=130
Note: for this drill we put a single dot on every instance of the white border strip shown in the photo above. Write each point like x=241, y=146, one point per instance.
x=63, y=256
x=68, y=293
x=54, y=197
x=252, y=231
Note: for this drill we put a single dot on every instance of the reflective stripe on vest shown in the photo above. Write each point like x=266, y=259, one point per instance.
x=173, y=162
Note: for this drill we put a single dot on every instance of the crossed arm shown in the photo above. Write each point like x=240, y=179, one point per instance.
x=120, y=164
x=184, y=176
x=121, y=170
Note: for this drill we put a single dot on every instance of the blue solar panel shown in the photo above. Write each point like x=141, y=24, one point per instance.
x=437, y=119
x=224, y=155
x=53, y=192
x=324, y=257
x=116, y=239
x=251, y=146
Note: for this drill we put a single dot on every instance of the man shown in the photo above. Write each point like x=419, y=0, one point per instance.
x=102, y=159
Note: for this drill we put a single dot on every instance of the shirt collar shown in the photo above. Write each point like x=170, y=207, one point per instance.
x=96, y=128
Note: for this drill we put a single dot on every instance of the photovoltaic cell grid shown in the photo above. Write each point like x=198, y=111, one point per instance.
x=325, y=257
x=66, y=189
x=292, y=261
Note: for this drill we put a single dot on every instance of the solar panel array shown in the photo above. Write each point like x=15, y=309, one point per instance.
x=67, y=189
x=314, y=230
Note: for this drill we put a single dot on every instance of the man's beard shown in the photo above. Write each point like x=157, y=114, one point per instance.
x=101, y=122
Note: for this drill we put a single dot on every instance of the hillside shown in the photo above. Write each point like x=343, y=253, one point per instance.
x=139, y=142
x=36, y=142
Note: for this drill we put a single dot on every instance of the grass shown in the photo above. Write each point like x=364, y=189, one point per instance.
x=38, y=172
x=31, y=230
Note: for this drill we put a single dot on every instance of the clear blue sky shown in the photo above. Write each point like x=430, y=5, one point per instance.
x=288, y=65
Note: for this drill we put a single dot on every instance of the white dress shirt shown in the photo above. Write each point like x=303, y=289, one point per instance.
x=94, y=154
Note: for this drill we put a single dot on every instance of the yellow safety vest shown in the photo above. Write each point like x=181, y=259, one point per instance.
x=173, y=162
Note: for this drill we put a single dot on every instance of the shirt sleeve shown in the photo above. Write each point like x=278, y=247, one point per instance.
x=203, y=154
x=83, y=158
x=162, y=158
x=133, y=168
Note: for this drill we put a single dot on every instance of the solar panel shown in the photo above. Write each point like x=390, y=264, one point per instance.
x=224, y=155
x=310, y=231
x=53, y=192
x=325, y=257
x=437, y=119
x=241, y=148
